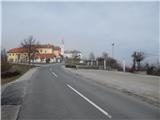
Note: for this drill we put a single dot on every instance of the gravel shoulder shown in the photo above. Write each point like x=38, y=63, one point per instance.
x=12, y=95
x=144, y=87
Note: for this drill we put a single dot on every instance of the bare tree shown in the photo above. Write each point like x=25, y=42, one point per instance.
x=140, y=57
x=3, y=56
x=91, y=56
x=4, y=63
x=134, y=56
x=137, y=58
x=105, y=55
x=30, y=46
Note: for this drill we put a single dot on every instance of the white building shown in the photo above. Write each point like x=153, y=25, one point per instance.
x=72, y=54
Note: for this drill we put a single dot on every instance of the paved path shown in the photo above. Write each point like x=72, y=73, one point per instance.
x=54, y=93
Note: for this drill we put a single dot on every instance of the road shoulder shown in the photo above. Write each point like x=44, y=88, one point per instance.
x=11, y=103
x=130, y=87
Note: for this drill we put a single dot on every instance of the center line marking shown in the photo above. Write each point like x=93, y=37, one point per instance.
x=92, y=103
x=54, y=74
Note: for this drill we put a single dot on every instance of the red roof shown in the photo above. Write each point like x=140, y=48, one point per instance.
x=42, y=56
x=57, y=48
x=44, y=46
x=17, y=50
x=23, y=50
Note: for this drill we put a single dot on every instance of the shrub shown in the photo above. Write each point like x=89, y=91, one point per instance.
x=8, y=74
x=153, y=70
x=70, y=66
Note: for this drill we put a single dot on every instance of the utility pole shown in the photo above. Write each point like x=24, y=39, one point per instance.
x=113, y=50
x=105, y=64
x=62, y=49
x=124, y=66
x=62, y=46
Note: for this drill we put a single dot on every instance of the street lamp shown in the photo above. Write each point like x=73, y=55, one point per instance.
x=113, y=50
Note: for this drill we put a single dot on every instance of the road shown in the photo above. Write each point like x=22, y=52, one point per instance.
x=54, y=93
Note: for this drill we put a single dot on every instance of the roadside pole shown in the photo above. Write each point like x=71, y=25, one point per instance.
x=104, y=64
x=124, y=66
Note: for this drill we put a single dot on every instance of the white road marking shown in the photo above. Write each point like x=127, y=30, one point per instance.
x=92, y=103
x=54, y=74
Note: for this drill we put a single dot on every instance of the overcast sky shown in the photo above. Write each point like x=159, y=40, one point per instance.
x=85, y=26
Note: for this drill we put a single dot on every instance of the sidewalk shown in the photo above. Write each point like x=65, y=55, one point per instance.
x=143, y=86
x=10, y=105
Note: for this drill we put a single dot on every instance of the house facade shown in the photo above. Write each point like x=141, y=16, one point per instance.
x=17, y=55
x=46, y=53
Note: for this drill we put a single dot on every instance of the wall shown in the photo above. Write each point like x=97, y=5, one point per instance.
x=57, y=53
x=16, y=57
x=45, y=50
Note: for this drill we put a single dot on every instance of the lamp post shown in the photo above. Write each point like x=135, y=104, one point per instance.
x=113, y=50
x=124, y=66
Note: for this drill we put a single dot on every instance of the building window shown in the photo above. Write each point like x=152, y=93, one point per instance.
x=45, y=51
x=41, y=51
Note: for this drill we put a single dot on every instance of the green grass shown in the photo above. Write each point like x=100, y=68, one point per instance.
x=22, y=68
x=7, y=80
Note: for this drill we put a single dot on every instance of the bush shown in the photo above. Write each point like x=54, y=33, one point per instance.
x=153, y=71
x=158, y=72
x=5, y=66
x=72, y=61
x=70, y=66
x=130, y=69
x=10, y=74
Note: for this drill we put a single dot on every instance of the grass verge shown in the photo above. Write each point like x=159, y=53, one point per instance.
x=20, y=67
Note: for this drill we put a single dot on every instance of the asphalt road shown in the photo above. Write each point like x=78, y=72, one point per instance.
x=54, y=93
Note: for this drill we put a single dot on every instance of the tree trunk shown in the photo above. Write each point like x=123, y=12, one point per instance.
x=139, y=65
x=29, y=59
x=134, y=64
